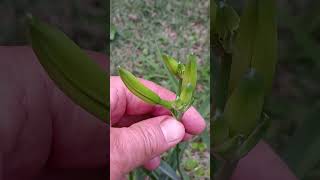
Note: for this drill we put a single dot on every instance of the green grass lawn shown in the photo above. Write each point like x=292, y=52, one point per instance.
x=177, y=28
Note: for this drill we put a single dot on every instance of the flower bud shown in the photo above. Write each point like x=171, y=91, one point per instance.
x=244, y=106
x=188, y=84
x=141, y=91
x=176, y=68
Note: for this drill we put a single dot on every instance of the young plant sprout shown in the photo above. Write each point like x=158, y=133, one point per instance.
x=186, y=75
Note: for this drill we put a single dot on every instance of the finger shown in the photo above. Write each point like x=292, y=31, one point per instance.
x=123, y=102
x=135, y=145
x=153, y=163
x=250, y=167
x=187, y=137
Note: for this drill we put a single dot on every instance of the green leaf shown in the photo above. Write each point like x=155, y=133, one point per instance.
x=167, y=170
x=70, y=68
x=256, y=43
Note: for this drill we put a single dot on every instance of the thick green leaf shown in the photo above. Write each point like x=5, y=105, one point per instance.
x=70, y=68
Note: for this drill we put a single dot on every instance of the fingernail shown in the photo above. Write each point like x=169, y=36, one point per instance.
x=172, y=130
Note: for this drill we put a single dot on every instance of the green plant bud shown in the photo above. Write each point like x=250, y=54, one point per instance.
x=141, y=91
x=244, y=106
x=190, y=73
x=70, y=68
x=256, y=43
x=188, y=85
x=176, y=68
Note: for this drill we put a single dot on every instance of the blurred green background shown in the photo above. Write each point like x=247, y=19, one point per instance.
x=178, y=28
x=83, y=21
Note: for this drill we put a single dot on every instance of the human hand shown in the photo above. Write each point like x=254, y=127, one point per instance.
x=142, y=132
x=43, y=134
x=264, y=164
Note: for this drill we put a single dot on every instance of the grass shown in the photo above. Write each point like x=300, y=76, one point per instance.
x=177, y=28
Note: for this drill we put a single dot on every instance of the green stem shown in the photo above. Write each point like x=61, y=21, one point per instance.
x=221, y=86
x=131, y=175
x=226, y=171
x=178, y=161
x=166, y=104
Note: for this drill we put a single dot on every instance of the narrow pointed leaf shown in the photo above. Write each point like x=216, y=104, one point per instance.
x=167, y=170
x=70, y=68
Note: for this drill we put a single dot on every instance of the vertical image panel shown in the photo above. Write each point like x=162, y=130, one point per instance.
x=160, y=69
x=54, y=90
x=264, y=55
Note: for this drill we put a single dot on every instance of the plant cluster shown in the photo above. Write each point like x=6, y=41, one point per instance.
x=244, y=59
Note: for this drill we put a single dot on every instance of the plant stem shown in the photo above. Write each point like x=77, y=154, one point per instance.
x=131, y=175
x=178, y=161
x=226, y=171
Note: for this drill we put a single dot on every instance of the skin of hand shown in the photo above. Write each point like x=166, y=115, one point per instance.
x=43, y=134
x=264, y=164
x=141, y=132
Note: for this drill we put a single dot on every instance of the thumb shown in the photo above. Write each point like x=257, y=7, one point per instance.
x=131, y=147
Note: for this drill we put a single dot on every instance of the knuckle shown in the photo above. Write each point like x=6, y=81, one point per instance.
x=148, y=140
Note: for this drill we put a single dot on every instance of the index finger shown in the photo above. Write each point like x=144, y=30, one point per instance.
x=123, y=102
